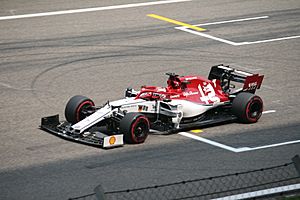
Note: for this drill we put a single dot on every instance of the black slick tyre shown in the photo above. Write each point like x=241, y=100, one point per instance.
x=75, y=106
x=135, y=127
x=247, y=107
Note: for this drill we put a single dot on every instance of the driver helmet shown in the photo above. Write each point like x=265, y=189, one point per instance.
x=175, y=84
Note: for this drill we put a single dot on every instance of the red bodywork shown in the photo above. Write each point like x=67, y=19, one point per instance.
x=196, y=89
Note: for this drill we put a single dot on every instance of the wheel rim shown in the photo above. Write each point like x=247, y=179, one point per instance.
x=85, y=105
x=140, y=129
x=254, y=109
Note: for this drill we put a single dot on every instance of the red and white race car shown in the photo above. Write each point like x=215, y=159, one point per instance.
x=186, y=102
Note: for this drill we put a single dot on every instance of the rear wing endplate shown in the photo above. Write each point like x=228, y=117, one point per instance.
x=251, y=81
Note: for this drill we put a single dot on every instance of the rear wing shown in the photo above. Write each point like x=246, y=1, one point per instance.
x=225, y=74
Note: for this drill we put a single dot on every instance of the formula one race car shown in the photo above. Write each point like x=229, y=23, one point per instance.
x=187, y=102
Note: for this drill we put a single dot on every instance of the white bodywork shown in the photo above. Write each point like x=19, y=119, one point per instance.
x=178, y=109
x=191, y=109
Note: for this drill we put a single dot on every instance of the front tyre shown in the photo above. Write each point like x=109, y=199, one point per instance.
x=135, y=127
x=74, y=111
x=247, y=107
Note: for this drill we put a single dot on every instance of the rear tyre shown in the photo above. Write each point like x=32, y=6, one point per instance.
x=135, y=127
x=247, y=107
x=75, y=107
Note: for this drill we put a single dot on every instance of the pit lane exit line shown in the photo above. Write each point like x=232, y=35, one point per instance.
x=233, y=149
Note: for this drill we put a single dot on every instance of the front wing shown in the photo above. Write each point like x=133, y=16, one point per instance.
x=94, y=138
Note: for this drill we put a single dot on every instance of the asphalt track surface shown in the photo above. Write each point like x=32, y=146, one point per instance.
x=46, y=60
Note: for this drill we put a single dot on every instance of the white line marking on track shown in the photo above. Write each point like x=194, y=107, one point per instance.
x=268, y=146
x=270, y=40
x=207, y=36
x=268, y=111
x=233, y=149
x=201, y=139
x=186, y=29
x=63, y=12
x=232, y=21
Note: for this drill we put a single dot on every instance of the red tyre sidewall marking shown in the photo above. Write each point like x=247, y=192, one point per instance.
x=248, y=108
x=134, y=124
x=80, y=106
